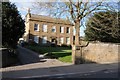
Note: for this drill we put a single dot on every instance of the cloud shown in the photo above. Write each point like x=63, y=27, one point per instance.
x=22, y=0
x=23, y=16
x=62, y=0
x=40, y=12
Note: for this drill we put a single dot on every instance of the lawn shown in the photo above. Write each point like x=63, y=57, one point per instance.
x=61, y=53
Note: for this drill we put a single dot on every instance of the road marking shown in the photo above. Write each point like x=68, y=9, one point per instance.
x=86, y=74
x=60, y=77
x=57, y=75
x=92, y=71
x=106, y=72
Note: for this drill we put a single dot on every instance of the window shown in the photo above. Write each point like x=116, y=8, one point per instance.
x=68, y=30
x=67, y=40
x=44, y=39
x=53, y=29
x=36, y=27
x=61, y=29
x=36, y=39
x=44, y=29
x=74, y=31
x=61, y=40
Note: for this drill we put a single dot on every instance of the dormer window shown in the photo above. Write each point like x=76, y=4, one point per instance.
x=36, y=27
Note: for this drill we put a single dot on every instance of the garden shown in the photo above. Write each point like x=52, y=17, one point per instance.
x=62, y=53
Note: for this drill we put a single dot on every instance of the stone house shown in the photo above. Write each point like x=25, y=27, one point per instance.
x=46, y=30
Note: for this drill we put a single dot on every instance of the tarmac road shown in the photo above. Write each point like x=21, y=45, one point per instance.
x=112, y=74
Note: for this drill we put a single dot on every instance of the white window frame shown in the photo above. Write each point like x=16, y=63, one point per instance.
x=68, y=28
x=74, y=31
x=54, y=27
x=36, y=26
x=61, y=29
x=44, y=28
x=44, y=39
x=36, y=39
x=61, y=40
x=67, y=40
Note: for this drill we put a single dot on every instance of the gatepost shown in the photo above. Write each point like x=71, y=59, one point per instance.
x=77, y=56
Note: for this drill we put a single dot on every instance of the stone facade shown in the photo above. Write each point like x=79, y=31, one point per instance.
x=97, y=52
x=48, y=30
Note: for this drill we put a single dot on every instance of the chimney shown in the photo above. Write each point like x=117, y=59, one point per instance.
x=28, y=10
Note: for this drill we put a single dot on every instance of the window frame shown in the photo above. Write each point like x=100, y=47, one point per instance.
x=44, y=28
x=53, y=27
x=61, y=29
x=68, y=30
x=36, y=27
x=36, y=37
x=44, y=41
x=67, y=42
x=61, y=40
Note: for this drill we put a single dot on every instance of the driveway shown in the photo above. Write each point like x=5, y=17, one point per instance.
x=31, y=60
x=27, y=56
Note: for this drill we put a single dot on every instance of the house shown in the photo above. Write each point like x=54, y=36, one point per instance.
x=46, y=30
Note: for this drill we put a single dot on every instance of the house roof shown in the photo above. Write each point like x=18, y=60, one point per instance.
x=48, y=19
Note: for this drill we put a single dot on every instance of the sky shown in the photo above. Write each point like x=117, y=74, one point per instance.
x=24, y=5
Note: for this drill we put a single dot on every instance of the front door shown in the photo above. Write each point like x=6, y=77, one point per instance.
x=53, y=40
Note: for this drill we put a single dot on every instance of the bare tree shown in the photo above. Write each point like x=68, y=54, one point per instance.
x=75, y=11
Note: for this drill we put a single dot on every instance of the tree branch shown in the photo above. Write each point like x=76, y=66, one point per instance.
x=88, y=12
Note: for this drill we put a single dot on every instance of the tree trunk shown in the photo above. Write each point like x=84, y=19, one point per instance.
x=77, y=35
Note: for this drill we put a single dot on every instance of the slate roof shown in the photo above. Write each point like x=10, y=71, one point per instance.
x=48, y=19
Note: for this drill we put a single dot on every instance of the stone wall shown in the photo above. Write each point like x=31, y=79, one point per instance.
x=98, y=53
x=8, y=59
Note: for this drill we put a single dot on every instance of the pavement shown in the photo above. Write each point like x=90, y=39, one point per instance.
x=33, y=67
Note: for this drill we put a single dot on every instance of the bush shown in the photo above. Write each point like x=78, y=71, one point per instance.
x=25, y=43
x=64, y=45
x=69, y=46
x=32, y=43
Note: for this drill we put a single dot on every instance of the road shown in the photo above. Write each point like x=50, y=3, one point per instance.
x=111, y=74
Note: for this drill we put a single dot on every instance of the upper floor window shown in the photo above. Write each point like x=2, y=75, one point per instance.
x=36, y=27
x=61, y=29
x=68, y=30
x=74, y=31
x=53, y=29
x=44, y=28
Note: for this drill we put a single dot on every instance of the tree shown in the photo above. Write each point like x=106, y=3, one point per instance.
x=104, y=27
x=75, y=11
x=0, y=24
x=12, y=25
